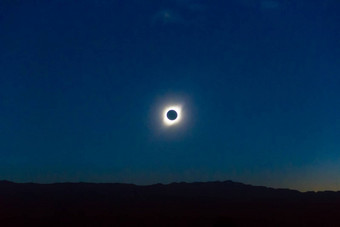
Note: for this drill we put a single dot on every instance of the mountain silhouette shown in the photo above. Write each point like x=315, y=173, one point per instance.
x=177, y=204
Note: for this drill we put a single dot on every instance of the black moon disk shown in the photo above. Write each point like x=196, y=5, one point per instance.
x=171, y=115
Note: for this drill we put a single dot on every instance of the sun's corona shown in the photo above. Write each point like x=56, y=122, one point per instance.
x=172, y=115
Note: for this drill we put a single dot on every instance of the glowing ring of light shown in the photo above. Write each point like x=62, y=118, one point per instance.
x=169, y=122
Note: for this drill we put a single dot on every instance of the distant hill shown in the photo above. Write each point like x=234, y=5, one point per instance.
x=178, y=204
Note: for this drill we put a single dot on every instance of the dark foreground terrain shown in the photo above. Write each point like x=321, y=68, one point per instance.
x=178, y=204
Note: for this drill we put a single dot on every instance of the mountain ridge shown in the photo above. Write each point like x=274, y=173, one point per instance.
x=217, y=203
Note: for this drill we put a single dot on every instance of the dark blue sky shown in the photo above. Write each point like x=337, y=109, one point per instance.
x=82, y=84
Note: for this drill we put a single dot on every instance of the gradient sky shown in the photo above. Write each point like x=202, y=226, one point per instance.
x=82, y=84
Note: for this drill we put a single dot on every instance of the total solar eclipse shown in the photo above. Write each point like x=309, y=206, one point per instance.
x=171, y=115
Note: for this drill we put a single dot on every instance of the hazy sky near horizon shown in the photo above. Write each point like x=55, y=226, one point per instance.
x=83, y=85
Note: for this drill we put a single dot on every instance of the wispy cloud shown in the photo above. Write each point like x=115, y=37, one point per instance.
x=167, y=16
x=270, y=4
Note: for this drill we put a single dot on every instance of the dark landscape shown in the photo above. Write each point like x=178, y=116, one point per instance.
x=178, y=204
